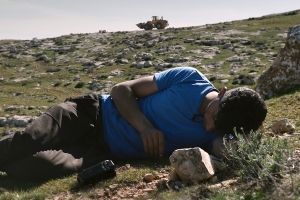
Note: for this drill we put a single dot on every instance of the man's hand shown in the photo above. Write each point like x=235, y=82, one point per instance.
x=153, y=141
x=218, y=149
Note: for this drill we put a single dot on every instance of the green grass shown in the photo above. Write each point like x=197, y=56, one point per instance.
x=39, y=90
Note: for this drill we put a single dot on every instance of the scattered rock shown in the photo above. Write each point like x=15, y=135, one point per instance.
x=43, y=58
x=223, y=184
x=122, y=61
x=206, y=52
x=76, y=78
x=244, y=80
x=80, y=85
x=189, y=40
x=192, y=164
x=140, y=64
x=163, y=66
x=11, y=108
x=227, y=46
x=31, y=107
x=110, y=62
x=67, y=83
x=17, y=120
x=210, y=42
x=35, y=42
x=237, y=58
x=148, y=178
x=148, y=64
x=212, y=65
x=148, y=190
x=283, y=126
x=117, y=72
x=87, y=63
x=21, y=79
x=143, y=56
x=51, y=70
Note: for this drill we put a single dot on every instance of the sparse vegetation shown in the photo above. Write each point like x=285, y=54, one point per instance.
x=259, y=158
x=49, y=70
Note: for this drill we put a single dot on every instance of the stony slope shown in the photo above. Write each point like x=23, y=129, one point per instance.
x=40, y=72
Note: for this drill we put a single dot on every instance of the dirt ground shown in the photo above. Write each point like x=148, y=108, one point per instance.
x=287, y=187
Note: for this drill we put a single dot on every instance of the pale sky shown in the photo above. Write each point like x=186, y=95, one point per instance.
x=27, y=19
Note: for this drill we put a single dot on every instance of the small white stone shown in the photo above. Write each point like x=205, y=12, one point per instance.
x=148, y=178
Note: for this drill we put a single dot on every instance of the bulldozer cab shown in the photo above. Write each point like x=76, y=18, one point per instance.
x=154, y=18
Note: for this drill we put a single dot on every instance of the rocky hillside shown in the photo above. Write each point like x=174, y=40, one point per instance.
x=254, y=52
x=40, y=72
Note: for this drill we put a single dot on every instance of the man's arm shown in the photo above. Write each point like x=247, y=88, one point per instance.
x=220, y=151
x=124, y=96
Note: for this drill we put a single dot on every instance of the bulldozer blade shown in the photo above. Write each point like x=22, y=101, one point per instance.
x=140, y=25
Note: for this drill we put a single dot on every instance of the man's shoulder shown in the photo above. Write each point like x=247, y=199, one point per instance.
x=179, y=72
x=184, y=69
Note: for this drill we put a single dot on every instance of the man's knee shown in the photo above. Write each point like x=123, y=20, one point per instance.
x=62, y=110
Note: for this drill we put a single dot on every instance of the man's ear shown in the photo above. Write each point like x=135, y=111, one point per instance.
x=222, y=92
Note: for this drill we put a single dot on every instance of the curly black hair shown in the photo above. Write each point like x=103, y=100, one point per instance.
x=240, y=108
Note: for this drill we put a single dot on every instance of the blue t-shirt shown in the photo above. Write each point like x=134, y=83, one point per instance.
x=170, y=110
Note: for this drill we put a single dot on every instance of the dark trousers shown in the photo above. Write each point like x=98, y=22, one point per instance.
x=67, y=138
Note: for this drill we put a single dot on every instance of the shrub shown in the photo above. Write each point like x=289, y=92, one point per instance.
x=255, y=157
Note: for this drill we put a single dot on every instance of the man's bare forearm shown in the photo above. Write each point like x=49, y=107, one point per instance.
x=124, y=96
x=126, y=103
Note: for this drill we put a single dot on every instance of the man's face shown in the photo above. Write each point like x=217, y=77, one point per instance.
x=209, y=115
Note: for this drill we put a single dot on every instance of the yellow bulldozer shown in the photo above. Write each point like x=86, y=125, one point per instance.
x=155, y=23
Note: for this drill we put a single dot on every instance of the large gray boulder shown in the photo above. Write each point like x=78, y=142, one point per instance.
x=284, y=74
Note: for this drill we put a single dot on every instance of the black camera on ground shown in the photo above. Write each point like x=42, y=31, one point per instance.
x=101, y=171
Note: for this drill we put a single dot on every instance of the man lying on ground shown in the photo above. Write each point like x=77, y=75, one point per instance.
x=147, y=117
